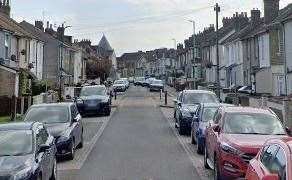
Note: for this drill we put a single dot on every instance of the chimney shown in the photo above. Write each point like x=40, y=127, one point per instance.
x=271, y=8
x=255, y=16
x=61, y=32
x=49, y=29
x=5, y=7
x=39, y=25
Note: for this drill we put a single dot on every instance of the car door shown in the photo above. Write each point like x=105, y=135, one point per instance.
x=196, y=121
x=213, y=136
x=42, y=157
x=262, y=167
x=278, y=164
x=76, y=124
x=51, y=152
x=179, y=107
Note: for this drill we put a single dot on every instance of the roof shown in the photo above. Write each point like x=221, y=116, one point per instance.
x=17, y=126
x=132, y=56
x=103, y=43
x=64, y=104
x=11, y=25
x=240, y=109
x=198, y=91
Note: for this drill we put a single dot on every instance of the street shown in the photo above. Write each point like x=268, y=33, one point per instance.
x=137, y=143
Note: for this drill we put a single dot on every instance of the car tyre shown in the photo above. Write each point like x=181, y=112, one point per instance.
x=192, y=138
x=72, y=150
x=54, y=171
x=80, y=145
x=206, y=165
x=40, y=177
x=108, y=111
x=217, y=175
x=200, y=149
x=181, y=130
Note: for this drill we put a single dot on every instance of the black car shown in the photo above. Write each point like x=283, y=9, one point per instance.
x=186, y=105
x=94, y=100
x=27, y=152
x=64, y=122
x=156, y=85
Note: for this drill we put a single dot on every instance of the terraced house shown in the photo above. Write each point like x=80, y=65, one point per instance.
x=21, y=56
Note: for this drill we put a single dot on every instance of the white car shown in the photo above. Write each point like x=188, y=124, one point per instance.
x=120, y=86
x=126, y=81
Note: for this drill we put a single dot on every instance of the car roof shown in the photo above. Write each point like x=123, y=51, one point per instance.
x=17, y=126
x=94, y=86
x=198, y=91
x=63, y=104
x=241, y=109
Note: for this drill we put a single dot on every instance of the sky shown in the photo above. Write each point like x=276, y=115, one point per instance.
x=131, y=25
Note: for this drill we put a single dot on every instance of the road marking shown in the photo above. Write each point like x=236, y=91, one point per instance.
x=197, y=162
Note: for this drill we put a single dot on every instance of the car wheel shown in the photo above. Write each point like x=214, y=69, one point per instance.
x=108, y=111
x=217, y=175
x=72, y=150
x=200, y=149
x=40, y=177
x=206, y=165
x=192, y=137
x=181, y=130
x=54, y=171
x=80, y=145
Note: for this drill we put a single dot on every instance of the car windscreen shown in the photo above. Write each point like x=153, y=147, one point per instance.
x=156, y=82
x=208, y=113
x=119, y=82
x=92, y=91
x=252, y=123
x=48, y=114
x=197, y=98
x=16, y=143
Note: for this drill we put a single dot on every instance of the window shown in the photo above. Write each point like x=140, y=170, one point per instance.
x=217, y=117
x=7, y=46
x=278, y=164
x=267, y=155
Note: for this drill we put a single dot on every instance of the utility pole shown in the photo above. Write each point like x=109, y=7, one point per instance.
x=194, y=53
x=217, y=10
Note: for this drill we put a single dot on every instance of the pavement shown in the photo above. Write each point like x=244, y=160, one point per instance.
x=137, y=142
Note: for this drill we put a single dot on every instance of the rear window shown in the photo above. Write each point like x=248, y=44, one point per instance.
x=198, y=98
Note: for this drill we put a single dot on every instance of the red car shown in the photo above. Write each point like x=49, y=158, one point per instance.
x=273, y=162
x=235, y=137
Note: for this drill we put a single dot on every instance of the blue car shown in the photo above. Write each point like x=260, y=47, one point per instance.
x=203, y=116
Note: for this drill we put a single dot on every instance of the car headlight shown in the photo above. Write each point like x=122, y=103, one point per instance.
x=23, y=174
x=79, y=101
x=104, y=100
x=229, y=149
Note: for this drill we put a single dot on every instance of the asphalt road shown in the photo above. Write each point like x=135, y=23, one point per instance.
x=136, y=144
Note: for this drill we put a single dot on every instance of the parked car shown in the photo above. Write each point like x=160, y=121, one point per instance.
x=236, y=137
x=126, y=80
x=131, y=79
x=156, y=85
x=147, y=82
x=201, y=120
x=94, y=100
x=63, y=121
x=139, y=81
x=27, y=151
x=273, y=162
x=186, y=105
x=120, y=86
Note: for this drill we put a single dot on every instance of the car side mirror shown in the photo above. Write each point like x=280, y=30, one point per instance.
x=174, y=100
x=217, y=128
x=43, y=148
x=179, y=104
x=271, y=177
x=77, y=118
x=288, y=130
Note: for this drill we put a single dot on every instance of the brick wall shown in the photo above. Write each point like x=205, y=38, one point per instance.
x=7, y=81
